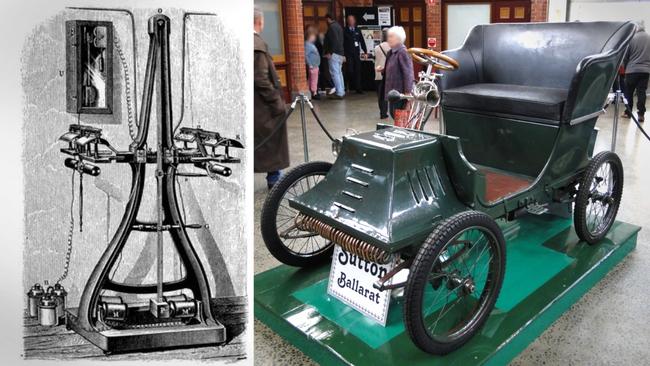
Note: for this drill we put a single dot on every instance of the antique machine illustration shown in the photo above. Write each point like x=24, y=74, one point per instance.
x=177, y=313
x=520, y=104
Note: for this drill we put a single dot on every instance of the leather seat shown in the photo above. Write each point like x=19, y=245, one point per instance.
x=511, y=100
x=552, y=73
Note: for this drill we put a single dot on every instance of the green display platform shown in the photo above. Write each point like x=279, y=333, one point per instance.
x=547, y=271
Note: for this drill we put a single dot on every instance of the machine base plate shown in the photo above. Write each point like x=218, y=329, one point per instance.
x=548, y=269
x=149, y=338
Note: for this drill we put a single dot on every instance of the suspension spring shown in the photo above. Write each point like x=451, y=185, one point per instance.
x=349, y=243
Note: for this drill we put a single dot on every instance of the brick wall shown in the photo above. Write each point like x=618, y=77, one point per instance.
x=434, y=22
x=295, y=49
x=539, y=11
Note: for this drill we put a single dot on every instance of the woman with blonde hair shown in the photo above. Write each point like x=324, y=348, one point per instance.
x=398, y=72
x=312, y=58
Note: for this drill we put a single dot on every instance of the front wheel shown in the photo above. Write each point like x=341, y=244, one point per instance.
x=283, y=239
x=599, y=196
x=454, y=282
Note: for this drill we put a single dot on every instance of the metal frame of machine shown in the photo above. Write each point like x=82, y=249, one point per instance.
x=170, y=318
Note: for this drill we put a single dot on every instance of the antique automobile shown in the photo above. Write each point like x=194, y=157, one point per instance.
x=519, y=104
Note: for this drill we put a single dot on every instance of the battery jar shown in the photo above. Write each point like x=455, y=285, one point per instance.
x=33, y=298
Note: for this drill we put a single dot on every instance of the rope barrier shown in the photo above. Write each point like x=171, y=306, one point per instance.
x=302, y=100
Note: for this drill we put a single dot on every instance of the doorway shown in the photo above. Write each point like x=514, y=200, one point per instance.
x=411, y=16
x=510, y=12
x=314, y=12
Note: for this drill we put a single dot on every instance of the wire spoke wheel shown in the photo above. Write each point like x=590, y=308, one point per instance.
x=297, y=241
x=284, y=240
x=454, y=282
x=598, y=197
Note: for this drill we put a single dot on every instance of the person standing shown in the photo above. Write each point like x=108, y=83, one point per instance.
x=273, y=155
x=324, y=79
x=333, y=49
x=637, y=71
x=398, y=73
x=312, y=58
x=355, y=48
x=381, y=51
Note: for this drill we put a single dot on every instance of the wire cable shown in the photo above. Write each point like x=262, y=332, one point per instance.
x=187, y=54
x=68, y=252
x=183, y=52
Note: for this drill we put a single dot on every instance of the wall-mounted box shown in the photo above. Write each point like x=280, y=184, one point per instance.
x=89, y=66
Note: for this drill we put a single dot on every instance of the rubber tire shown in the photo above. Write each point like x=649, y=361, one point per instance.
x=268, y=226
x=422, y=266
x=582, y=197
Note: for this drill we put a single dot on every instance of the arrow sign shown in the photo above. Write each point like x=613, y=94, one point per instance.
x=365, y=15
x=368, y=17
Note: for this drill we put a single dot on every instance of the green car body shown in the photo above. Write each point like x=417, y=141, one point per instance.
x=391, y=186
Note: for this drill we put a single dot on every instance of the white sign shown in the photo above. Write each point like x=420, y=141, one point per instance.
x=384, y=15
x=351, y=281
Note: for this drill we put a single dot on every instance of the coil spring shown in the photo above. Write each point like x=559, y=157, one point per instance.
x=350, y=244
x=127, y=89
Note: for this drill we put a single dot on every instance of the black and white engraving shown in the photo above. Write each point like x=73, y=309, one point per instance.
x=134, y=165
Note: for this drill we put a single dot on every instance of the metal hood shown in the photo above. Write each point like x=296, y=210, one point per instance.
x=387, y=187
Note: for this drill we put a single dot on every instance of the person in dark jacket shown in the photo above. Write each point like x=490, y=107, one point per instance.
x=333, y=49
x=270, y=110
x=637, y=71
x=324, y=79
x=355, y=48
x=398, y=72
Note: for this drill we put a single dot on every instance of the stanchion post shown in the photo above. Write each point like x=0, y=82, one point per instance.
x=303, y=120
x=617, y=98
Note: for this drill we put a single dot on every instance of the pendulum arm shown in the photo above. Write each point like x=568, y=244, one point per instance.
x=165, y=144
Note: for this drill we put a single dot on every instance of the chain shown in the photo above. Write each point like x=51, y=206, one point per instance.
x=68, y=252
x=127, y=88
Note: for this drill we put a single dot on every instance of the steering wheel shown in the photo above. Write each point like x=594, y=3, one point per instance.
x=430, y=57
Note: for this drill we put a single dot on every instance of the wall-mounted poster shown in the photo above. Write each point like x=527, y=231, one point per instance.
x=372, y=37
x=384, y=16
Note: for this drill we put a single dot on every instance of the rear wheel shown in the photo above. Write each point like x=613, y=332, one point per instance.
x=283, y=239
x=454, y=282
x=599, y=196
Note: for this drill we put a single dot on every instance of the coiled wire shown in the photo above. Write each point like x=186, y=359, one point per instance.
x=68, y=252
x=350, y=244
x=127, y=90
